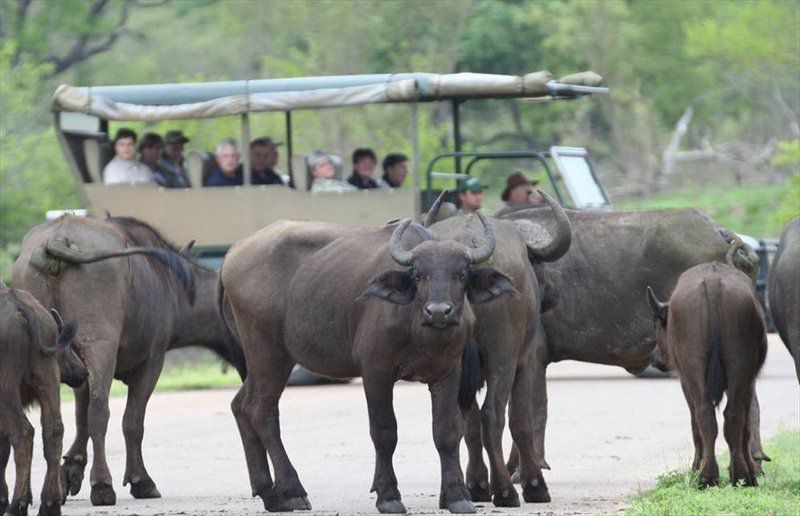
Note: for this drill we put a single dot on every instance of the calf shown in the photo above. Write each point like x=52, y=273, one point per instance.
x=31, y=353
x=712, y=333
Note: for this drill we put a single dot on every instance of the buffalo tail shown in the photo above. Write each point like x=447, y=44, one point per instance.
x=174, y=262
x=234, y=346
x=716, y=380
x=470, y=375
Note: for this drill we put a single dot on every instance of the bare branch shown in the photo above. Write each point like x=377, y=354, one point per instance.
x=82, y=49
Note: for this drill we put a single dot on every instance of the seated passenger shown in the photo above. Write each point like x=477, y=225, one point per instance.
x=123, y=168
x=323, y=168
x=364, y=161
x=150, y=147
x=519, y=194
x=470, y=195
x=263, y=158
x=226, y=169
x=171, y=171
x=395, y=168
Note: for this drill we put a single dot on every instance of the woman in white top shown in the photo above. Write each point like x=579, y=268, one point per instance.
x=123, y=168
x=323, y=168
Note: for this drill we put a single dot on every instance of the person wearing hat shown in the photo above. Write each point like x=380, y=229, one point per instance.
x=518, y=193
x=263, y=158
x=470, y=194
x=171, y=170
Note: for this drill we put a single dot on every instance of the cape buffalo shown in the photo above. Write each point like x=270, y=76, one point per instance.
x=783, y=290
x=715, y=338
x=505, y=332
x=35, y=352
x=130, y=311
x=597, y=314
x=347, y=302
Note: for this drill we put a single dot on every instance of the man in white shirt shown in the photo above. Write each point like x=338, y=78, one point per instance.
x=123, y=168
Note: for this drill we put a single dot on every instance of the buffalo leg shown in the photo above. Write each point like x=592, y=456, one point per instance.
x=698, y=443
x=736, y=408
x=140, y=388
x=754, y=424
x=706, y=424
x=261, y=406
x=101, y=372
x=52, y=437
x=477, y=474
x=447, y=436
x=20, y=435
x=493, y=414
x=254, y=452
x=75, y=460
x=5, y=452
x=520, y=421
x=383, y=430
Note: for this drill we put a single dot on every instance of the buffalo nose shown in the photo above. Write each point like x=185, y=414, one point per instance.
x=437, y=310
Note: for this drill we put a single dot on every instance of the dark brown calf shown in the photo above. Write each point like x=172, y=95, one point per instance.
x=713, y=334
x=29, y=371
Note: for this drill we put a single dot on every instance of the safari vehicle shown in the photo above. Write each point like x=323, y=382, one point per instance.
x=82, y=116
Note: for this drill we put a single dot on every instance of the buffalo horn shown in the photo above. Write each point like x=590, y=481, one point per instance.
x=479, y=254
x=396, y=250
x=57, y=317
x=554, y=249
x=185, y=249
x=433, y=213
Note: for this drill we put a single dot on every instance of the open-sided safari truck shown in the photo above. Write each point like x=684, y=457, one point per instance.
x=217, y=217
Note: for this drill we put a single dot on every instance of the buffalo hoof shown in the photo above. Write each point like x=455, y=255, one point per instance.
x=506, y=498
x=479, y=492
x=103, y=494
x=144, y=488
x=391, y=507
x=461, y=507
x=51, y=508
x=72, y=474
x=278, y=503
x=18, y=508
x=536, y=491
x=706, y=482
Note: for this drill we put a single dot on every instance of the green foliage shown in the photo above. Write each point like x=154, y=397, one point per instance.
x=33, y=174
x=744, y=209
x=778, y=492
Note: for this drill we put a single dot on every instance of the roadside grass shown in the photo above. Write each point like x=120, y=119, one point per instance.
x=180, y=377
x=750, y=210
x=778, y=491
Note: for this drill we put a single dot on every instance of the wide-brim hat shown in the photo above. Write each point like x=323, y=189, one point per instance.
x=472, y=184
x=175, y=137
x=514, y=180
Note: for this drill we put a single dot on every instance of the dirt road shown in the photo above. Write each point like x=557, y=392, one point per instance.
x=609, y=435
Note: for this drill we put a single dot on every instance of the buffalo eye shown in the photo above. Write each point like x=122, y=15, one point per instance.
x=461, y=275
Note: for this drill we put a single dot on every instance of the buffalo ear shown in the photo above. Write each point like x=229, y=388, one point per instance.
x=660, y=310
x=486, y=284
x=397, y=287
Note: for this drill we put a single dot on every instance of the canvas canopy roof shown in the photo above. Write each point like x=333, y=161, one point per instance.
x=156, y=102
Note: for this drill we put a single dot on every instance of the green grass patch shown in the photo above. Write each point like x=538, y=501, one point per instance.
x=758, y=211
x=778, y=492
x=193, y=376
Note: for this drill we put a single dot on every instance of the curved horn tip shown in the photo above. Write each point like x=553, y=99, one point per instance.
x=433, y=212
x=57, y=317
x=396, y=250
x=486, y=250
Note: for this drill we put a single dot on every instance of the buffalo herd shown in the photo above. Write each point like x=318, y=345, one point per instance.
x=459, y=304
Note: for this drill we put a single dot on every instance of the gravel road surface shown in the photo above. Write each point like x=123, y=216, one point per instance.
x=609, y=436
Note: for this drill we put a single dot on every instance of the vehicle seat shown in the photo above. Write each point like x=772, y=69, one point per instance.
x=97, y=155
x=199, y=165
